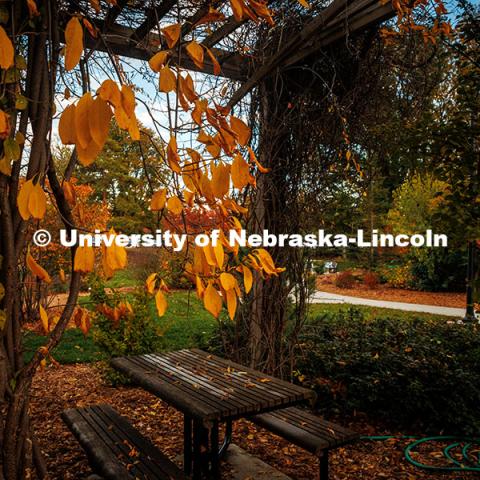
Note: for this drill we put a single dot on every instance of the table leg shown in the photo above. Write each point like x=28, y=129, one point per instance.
x=197, y=449
x=214, y=452
x=187, y=444
x=227, y=439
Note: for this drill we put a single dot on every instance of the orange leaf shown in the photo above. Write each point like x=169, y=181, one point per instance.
x=84, y=259
x=66, y=126
x=82, y=114
x=172, y=34
x=37, y=202
x=158, y=201
x=253, y=159
x=217, y=69
x=238, y=7
x=4, y=125
x=150, y=282
x=240, y=172
x=195, y=52
x=87, y=156
x=44, y=319
x=7, y=52
x=231, y=303
x=174, y=205
x=220, y=180
x=241, y=130
x=247, y=278
x=168, y=81
x=161, y=303
x=110, y=92
x=128, y=100
x=99, y=120
x=227, y=280
x=73, y=43
x=37, y=270
x=212, y=300
x=23, y=198
x=158, y=60
x=32, y=8
x=172, y=155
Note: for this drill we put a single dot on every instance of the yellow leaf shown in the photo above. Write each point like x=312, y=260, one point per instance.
x=7, y=52
x=69, y=192
x=44, y=319
x=172, y=155
x=240, y=172
x=37, y=270
x=217, y=69
x=99, y=120
x=241, y=130
x=227, y=280
x=212, y=300
x=66, y=126
x=158, y=200
x=210, y=255
x=110, y=92
x=84, y=259
x=128, y=100
x=23, y=198
x=4, y=125
x=231, y=303
x=158, y=60
x=219, y=254
x=161, y=303
x=87, y=156
x=168, y=80
x=172, y=34
x=37, y=202
x=220, y=180
x=200, y=286
x=195, y=52
x=62, y=276
x=247, y=278
x=174, y=205
x=150, y=282
x=82, y=114
x=73, y=43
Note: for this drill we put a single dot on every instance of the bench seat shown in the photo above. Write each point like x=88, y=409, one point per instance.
x=116, y=450
x=307, y=431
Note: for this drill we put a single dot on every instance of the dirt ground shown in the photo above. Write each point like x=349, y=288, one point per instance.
x=325, y=283
x=57, y=388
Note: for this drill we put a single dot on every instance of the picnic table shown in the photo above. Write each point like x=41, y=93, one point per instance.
x=209, y=390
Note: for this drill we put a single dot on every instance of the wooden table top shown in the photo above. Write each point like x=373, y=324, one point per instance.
x=208, y=387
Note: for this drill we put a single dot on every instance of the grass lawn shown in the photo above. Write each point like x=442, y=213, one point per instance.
x=185, y=325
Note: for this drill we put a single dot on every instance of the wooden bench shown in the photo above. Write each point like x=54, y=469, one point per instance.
x=306, y=430
x=116, y=450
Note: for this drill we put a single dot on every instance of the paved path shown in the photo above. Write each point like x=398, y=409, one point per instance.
x=326, y=297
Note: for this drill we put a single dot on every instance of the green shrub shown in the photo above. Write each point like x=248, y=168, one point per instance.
x=133, y=333
x=420, y=374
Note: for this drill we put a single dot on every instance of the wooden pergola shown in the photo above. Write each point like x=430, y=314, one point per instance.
x=137, y=36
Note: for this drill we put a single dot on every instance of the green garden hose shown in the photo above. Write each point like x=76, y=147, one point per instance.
x=470, y=461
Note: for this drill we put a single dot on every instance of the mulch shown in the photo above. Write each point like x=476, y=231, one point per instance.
x=66, y=386
x=325, y=283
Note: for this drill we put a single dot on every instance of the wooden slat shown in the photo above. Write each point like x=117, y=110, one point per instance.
x=209, y=388
x=305, y=429
x=109, y=439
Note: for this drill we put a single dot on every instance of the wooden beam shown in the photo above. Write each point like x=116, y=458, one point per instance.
x=338, y=19
x=118, y=40
x=220, y=33
x=154, y=15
